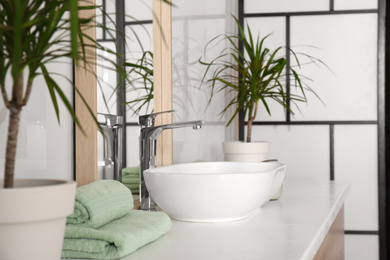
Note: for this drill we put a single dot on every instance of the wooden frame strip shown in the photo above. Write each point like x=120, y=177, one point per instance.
x=86, y=83
x=162, y=48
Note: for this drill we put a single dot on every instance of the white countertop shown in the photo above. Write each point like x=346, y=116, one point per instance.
x=292, y=227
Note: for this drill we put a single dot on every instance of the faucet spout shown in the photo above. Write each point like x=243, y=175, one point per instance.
x=156, y=130
x=148, y=148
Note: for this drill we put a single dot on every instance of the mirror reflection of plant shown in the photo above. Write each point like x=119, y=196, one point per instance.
x=186, y=76
x=114, y=35
x=255, y=75
x=33, y=35
x=140, y=78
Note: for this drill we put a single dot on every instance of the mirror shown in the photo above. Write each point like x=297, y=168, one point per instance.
x=134, y=34
x=194, y=24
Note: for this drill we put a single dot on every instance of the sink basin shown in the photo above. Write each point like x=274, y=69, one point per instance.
x=214, y=191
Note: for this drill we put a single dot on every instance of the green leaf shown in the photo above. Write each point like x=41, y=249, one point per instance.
x=74, y=27
x=92, y=114
x=50, y=85
x=17, y=39
x=69, y=106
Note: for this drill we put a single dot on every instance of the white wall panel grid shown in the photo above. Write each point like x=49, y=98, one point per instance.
x=361, y=247
x=138, y=10
x=355, y=5
x=356, y=160
x=185, y=8
x=276, y=6
x=348, y=45
x=303, y=148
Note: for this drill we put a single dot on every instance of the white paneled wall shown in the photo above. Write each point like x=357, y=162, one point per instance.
x=185, y=8
x=303, y=148
x=361, y=247
x=265, y=6
x=355, y=5
x=139, y=10
x=356, y=160
x=349, y=90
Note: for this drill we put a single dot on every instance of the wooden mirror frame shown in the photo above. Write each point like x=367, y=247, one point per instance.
x=85, y=146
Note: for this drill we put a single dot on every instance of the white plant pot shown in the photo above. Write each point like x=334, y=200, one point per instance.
x=248, y=152
x=33, y=217
x=245, y=152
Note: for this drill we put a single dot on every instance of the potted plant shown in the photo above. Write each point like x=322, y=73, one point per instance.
x=34, y=33
x=256, y=75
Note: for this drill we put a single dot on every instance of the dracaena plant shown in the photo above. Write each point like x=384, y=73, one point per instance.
x=255, y=74
x=34, y=34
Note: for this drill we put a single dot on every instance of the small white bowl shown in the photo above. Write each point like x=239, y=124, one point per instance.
x=214, y=191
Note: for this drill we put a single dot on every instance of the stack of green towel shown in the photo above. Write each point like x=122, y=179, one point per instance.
x=104, y=226
x=130, y=178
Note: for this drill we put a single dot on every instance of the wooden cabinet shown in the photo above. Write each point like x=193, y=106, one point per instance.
x=333, y=245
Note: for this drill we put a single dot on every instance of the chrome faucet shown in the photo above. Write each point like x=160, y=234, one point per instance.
x=148, y=148
x=112, y=145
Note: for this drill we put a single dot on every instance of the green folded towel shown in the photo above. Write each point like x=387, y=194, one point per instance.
x=116, y=239
x=99, y=203
x=134, y=171
x=132, y=187
x=130, y=179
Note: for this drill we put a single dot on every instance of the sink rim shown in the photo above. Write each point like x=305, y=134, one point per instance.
x=164, y=169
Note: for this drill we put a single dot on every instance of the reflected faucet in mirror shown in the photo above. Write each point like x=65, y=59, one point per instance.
x=148, y=148
x=112, y=145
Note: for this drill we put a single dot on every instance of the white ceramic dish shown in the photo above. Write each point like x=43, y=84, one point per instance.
x=214, y=191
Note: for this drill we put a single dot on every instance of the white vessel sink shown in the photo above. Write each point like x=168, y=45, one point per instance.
x=214, y=191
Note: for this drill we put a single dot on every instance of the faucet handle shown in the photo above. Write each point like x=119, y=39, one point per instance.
x=111, y=120
x=148, y=120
